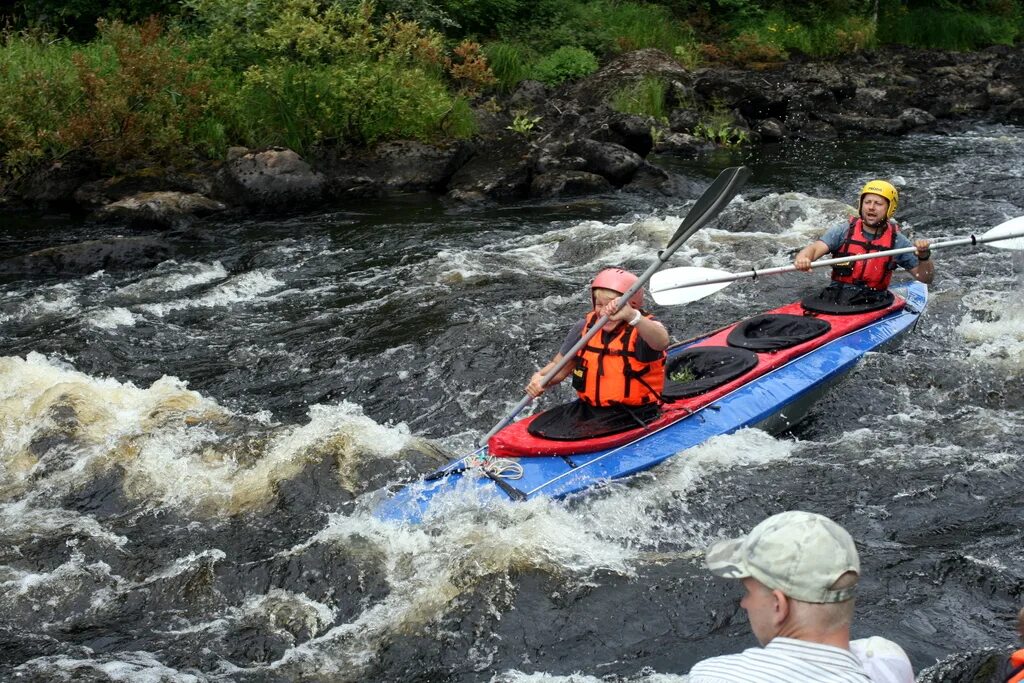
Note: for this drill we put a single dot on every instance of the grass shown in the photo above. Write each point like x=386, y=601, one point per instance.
x=646, y=98
x=511, y=63
x=945, y=29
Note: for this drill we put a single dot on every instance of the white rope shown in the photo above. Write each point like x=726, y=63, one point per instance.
x=506, y=469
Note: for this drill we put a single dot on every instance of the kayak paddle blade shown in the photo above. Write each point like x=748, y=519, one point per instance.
x=1010, y=235
x=687, y=284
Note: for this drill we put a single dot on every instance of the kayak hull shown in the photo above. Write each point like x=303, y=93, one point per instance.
x=775, y=401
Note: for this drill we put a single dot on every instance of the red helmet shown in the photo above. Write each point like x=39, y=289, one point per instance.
x=617, y=280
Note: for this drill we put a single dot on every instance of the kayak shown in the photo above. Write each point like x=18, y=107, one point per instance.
x=764, y=372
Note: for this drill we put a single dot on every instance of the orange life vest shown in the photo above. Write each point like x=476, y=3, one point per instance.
x=874, y=273
x=1016, y=667
x=608, y=371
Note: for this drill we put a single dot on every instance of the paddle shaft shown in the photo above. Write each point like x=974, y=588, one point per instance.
x=732, y=277
x=707, y=207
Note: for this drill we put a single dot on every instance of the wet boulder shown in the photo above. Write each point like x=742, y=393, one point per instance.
x=272, y=179
x=613, y=161
x=400, y=166
x=628, y=130
x=161, y=210
x=98, y=193
x=504, y=172
x=123, y=253
x=55, y=183
x=567, y=183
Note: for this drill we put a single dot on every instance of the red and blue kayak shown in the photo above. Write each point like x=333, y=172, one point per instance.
x=764, y=372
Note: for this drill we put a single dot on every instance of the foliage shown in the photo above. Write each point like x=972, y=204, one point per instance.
x=510, y=63
x=778, y=33
x=523, y=123
x=717, y=126
x=565, y=64
x=469, y=68
x=315, y=72
x=951, y=28
x=78, y=18
x=302, y=107
x=134, y=96
x=645, y=97
x=634, y=26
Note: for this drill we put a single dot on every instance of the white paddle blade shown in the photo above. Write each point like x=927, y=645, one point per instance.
x=1010, y=235
x=686, y=284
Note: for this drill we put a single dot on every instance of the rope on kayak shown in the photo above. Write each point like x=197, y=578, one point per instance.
x=506, y=469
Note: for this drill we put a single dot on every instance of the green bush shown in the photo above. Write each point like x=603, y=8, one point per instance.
x=565, y=64
x=302, y=107
x=947, y=28
x=131, y=95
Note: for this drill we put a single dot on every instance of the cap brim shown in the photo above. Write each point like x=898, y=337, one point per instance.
x=725, y=559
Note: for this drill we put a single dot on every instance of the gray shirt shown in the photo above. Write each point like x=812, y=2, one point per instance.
x=837, y=233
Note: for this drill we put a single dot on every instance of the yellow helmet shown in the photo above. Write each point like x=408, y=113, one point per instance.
x=882, y=189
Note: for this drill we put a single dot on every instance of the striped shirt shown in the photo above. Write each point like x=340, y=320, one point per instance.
x=783, y=660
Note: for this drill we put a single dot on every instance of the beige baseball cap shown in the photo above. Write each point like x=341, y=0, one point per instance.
x=799, y=553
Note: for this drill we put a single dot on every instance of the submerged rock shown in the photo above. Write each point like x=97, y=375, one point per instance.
x=159, y=209
x=122, y=253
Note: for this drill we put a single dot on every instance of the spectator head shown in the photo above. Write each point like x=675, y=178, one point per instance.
x=802, y=554
x=799, y=569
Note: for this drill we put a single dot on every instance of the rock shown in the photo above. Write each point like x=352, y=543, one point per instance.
x=771, y=130
x=628, y=130
x=126, y=253
x=99, y=193
x=159, y=209
x=503, y=174
x=683, y=120
x=566, y=183
x=916, y=118
x=57, y=182
x=396, y=167
x=681, y=144
x=614, y=162
x=625, y=71
x=651, y=178
x=271, y=180
x=528, y=95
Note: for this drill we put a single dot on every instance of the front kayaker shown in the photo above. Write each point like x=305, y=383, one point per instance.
x=871, y=231
x=618, y=375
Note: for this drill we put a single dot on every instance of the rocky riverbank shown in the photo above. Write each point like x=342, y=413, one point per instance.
x=539, y=142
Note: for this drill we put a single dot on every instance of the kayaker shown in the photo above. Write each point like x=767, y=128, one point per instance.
x=1012, y=670
x=800, y=571
x=618, y=375
x=872, y=230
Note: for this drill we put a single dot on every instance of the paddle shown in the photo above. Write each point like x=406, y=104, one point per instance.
x=690, y=283
x=707, y=207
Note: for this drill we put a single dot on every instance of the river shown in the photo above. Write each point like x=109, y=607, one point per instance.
x=189, y=455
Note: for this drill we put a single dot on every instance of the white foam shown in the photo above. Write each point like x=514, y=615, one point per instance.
x=130, y=667
x=112, y=318
x=994, y=327
x=183, y=276
x=243, y=288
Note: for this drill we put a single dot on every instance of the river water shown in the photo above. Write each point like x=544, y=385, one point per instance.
x=189, y=455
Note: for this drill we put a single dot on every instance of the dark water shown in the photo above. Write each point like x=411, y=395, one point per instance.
x=188, y=454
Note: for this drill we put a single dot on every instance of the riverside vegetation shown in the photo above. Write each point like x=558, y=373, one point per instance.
x=101, y=80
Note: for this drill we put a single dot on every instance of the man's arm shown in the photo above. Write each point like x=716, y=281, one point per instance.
x=812, y=252
x=924, y=271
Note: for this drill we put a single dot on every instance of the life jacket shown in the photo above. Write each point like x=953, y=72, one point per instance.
x=609, y=373
x=1016, y=673
x=874, y=273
